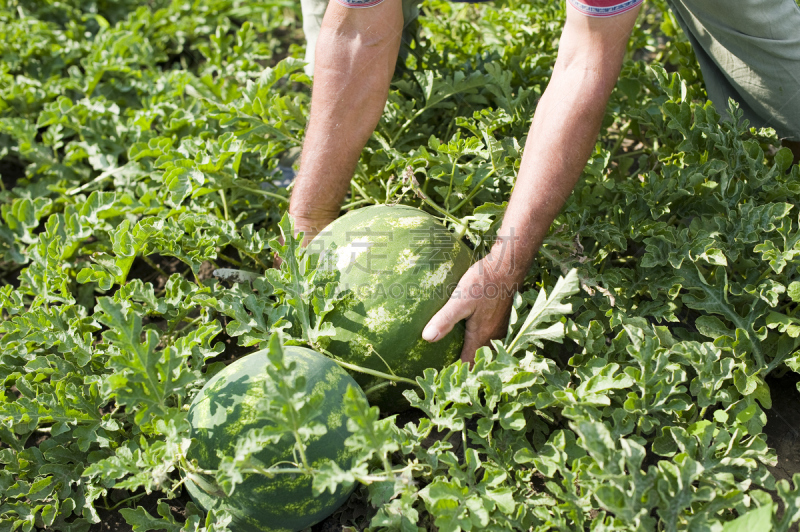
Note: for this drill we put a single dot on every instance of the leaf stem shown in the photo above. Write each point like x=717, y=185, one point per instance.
x=128, y=499
x=255, y=258
x=407, y=124
x=474, y=192
x=362, y=191
x=301, y=448
x=622, y=132
x=450, y=185
x=101, y=177
x=372, y=372
x=357, y=203
x=264, y=193
x=380, y=386
x=224, y=204
x=155, y=267
x=228, y=259
x=424, y=197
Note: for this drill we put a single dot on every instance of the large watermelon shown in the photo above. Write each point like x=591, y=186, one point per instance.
x=401, y=265
x=227, y=408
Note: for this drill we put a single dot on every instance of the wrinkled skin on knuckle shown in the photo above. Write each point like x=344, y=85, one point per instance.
x=492, y=307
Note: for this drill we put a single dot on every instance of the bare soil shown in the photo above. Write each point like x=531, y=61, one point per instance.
x=11, y=170
x=783, y=425
x=783, y=430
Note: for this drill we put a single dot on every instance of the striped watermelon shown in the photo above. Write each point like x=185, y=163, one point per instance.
x=401, y=265
x=227, y=408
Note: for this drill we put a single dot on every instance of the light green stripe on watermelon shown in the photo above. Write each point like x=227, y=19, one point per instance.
x=227, y=407
x=401, y=264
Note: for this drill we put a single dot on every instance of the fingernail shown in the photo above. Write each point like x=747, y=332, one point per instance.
x=430, y=334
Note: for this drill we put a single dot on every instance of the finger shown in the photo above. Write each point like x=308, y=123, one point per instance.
x=491, y=323
x=455, y=310
x=472, y=342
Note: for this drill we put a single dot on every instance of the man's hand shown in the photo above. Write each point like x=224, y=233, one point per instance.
x=483, y=297
x=308, y=224
x=311, y=224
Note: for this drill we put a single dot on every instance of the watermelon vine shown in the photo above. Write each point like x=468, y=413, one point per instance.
x=145, y=155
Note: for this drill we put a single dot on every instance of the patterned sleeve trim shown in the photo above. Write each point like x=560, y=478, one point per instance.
x=604, y=8
x=359, y=3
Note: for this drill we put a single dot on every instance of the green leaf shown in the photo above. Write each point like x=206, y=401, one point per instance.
x=712, y=327
x=794, y=291
x=142, y=521
x=148, y=379
x=544, y=309
x=758, y=520
x=791, y=499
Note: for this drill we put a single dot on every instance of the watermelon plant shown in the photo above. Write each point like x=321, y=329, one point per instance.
x=276, y=415
x=649, y=372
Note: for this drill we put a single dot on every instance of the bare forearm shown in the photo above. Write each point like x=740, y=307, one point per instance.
x=565, y=126
x=355, y=59
x=561, y=139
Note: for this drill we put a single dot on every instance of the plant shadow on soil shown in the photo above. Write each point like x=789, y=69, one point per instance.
x=783, y=425
x=11, y=170
x=783, y=428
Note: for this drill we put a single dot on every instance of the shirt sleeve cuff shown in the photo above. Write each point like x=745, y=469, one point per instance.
x=359, y=3
x=604, y=8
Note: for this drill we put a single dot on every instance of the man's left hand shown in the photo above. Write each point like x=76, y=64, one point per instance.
x=483, y=297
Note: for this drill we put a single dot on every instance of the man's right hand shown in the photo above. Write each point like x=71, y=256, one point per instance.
x=311, y=223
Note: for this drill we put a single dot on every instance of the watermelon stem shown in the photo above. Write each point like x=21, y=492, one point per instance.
x=374, y=373
x=387, y=466
x=424, y=197
x=123, y=502
x=372, y=350
x=301, y=448
x=377, y=387
x=357, y=203
x=463, y=230
x=361, y=190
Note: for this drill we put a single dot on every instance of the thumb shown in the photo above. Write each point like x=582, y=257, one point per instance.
x=455, y=310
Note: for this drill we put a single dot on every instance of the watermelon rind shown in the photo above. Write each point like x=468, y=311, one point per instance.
x=226, y=408
x=400, y=266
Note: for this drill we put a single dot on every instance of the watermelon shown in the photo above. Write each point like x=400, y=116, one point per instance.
x=400, y=265
x=226, y=408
